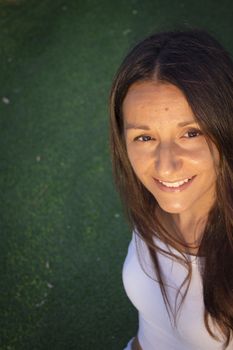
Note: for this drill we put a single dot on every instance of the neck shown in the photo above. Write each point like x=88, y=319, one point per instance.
x=187, y=228
x=190, y=227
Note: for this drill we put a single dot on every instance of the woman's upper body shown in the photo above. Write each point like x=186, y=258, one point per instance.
x=172, y=139
x=156, y=330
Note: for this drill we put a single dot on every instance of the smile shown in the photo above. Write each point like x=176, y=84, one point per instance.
x=175, y=186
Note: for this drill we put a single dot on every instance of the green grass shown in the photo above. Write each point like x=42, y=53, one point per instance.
x=63, y=233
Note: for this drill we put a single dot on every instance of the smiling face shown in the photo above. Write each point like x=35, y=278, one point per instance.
x=167, y=150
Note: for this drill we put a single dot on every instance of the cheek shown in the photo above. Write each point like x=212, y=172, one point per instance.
x=139, y=159
x=204, y=154
x=135, y=161
x=202, y=159
x=133, y=156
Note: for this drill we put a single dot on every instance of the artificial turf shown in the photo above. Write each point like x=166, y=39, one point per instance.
x=63, y=232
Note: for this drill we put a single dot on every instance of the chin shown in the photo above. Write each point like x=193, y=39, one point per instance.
x=173, y=209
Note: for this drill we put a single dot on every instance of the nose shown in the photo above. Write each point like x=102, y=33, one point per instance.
x=167, y=160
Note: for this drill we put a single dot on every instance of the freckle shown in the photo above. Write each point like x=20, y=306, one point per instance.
x=166, y=108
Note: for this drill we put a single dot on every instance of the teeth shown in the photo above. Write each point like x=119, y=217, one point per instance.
x=174, y=184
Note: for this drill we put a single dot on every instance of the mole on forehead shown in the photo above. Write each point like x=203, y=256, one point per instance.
x=166, y=109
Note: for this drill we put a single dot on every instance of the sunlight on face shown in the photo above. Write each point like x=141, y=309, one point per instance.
x=167, y=150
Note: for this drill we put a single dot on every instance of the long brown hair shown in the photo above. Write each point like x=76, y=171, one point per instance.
x=199, y=66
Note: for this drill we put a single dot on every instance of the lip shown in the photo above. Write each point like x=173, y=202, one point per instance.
x=174, y=189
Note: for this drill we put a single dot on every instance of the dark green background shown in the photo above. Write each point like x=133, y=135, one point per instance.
x=63, y=233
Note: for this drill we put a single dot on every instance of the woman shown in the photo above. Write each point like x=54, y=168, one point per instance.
x=172, y=145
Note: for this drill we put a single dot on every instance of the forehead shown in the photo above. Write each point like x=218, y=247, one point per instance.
x=156, y=100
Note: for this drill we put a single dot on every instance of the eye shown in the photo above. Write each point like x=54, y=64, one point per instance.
x=192, y=133
x=143, y=138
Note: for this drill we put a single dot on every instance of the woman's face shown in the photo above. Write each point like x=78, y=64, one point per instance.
x=167, y=149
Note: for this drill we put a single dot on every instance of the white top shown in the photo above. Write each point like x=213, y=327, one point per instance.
x=155, y=329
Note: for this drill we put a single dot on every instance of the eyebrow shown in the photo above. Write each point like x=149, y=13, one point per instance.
x=146, y=127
